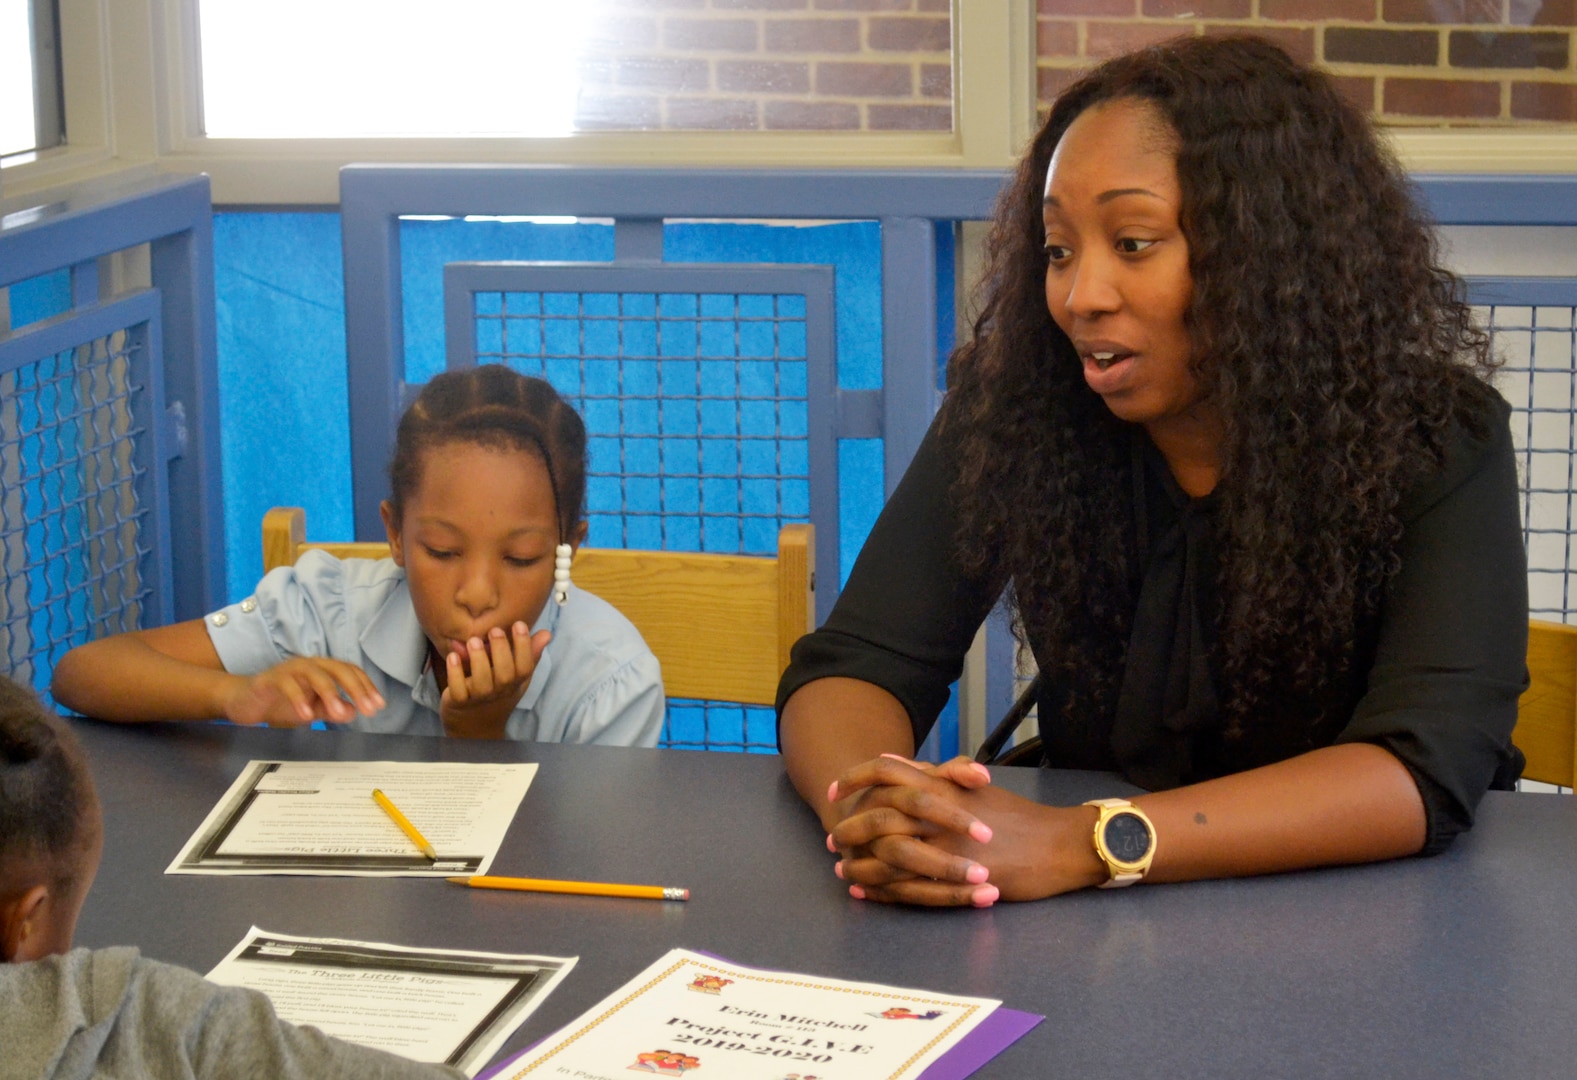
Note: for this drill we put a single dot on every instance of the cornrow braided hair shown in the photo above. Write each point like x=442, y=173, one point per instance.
x=494, y=406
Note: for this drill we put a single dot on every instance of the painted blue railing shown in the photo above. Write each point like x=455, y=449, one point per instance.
x=109, y=445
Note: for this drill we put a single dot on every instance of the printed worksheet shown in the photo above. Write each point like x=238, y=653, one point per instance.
x=436, y=1005
x=693, y=1013
x=319, y=817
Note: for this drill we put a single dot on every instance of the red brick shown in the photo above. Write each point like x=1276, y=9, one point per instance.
x=1317, y=10
x=1050, y=81
x=1478, y=49
x=1356, y=89
x=760, y=5
x=1452, y=99
x=664, y=73
x=763, y=77
x=894, y=34
x=732, y=35
x=1556, y=13
x=864, y=5
x=1361, y=45
x=1088, y=7
x=838, y=78
x=1198, y=9
x=813, y=35
x=1056, y=38
x=909, y=117
x=936, y=80
x=595, y=71
x=1104, y=39
x=1544, y=101
x=625, y=32
x=1430, y=12
x=711, y=114
x=810, y=116
x=617, y=113
x=1296, y=41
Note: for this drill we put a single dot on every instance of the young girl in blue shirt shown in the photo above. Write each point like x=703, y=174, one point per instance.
x=472, y=627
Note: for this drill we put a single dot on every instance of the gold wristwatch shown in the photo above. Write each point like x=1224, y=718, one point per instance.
x=1125, y=841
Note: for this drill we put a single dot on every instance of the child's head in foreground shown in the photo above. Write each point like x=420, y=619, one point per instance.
x=488, y=478
x=51, y=833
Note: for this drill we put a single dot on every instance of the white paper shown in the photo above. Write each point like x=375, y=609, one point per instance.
x=319, y=817
x=435, y=1005
x=689, y=1012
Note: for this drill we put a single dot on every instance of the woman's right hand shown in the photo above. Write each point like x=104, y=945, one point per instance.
x=301, y=690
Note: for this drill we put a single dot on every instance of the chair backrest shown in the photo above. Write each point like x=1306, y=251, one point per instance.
x=720, y=625
x=1546, y=730
x=1547, y=714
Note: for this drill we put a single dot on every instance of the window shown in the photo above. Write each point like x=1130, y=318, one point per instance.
x=30, y=117
x=371, y=68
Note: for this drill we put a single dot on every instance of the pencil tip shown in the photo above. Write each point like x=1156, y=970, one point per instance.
x=458, y=880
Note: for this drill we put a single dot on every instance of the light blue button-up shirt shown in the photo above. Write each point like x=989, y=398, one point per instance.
x=596, y=682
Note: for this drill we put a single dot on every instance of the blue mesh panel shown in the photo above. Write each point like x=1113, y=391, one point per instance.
x=696, y=410
x=1539, y=347
x=71, y=523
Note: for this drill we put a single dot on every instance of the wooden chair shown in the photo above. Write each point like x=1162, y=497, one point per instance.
x=1547, y=714
x=721, y=625
x=1546, y=730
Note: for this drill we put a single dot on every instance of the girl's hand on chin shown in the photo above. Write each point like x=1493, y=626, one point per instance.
x=486, y=682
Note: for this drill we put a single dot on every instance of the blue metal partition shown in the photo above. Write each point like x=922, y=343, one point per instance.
x=109, y=468
x=907, y=204
x=707, y=390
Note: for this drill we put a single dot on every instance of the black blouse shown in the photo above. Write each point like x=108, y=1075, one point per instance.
x=1435, y=677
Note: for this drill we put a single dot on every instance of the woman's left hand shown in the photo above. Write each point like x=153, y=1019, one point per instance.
x=943, y=836
x=484, y=686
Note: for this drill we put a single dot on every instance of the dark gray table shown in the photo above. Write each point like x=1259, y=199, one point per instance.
x=1457, y=966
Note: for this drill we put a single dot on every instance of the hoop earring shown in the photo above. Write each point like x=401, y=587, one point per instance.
x=561, y=557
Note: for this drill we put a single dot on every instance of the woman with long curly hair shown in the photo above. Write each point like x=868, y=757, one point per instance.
x=1224, y=433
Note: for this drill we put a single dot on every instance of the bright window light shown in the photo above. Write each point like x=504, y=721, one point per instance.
x=346, y=68
x=17, y=133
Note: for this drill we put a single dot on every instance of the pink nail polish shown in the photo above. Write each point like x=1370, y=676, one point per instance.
x=832, y=792
x=857, y=892
x=832, y=847
x=976, y=874
x=985, y=896
x=980, y=832
x=837, y=868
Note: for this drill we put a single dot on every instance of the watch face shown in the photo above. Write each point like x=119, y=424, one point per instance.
x=1127, y=838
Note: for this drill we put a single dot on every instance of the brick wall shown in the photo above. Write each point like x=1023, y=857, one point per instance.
x=768, y=65
x=1412, y=62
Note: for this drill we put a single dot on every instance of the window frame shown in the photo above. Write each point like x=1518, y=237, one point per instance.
x=143, y=55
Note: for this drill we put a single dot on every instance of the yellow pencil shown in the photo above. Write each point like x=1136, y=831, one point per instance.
x=404, y=823
x=579, y=888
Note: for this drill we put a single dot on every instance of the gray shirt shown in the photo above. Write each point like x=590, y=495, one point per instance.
x=110, y=1013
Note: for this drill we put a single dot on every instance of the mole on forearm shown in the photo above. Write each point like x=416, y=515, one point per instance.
x=1200, y=819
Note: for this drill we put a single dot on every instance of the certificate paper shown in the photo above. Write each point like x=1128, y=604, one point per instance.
x=319, y=817
x=692, y=1013
x=434, y=1005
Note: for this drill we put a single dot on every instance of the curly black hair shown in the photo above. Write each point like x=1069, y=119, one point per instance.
x=1325, y=333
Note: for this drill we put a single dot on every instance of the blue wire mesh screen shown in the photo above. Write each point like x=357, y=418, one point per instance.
x=72, y=523
x=1539, y=347
x=697, y=410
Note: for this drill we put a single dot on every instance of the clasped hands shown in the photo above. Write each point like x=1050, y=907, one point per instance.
x=943, y=836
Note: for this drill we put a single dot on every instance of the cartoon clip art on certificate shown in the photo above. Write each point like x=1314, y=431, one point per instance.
x=665, y=1063
x=708, y=984
x=900, y=1012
